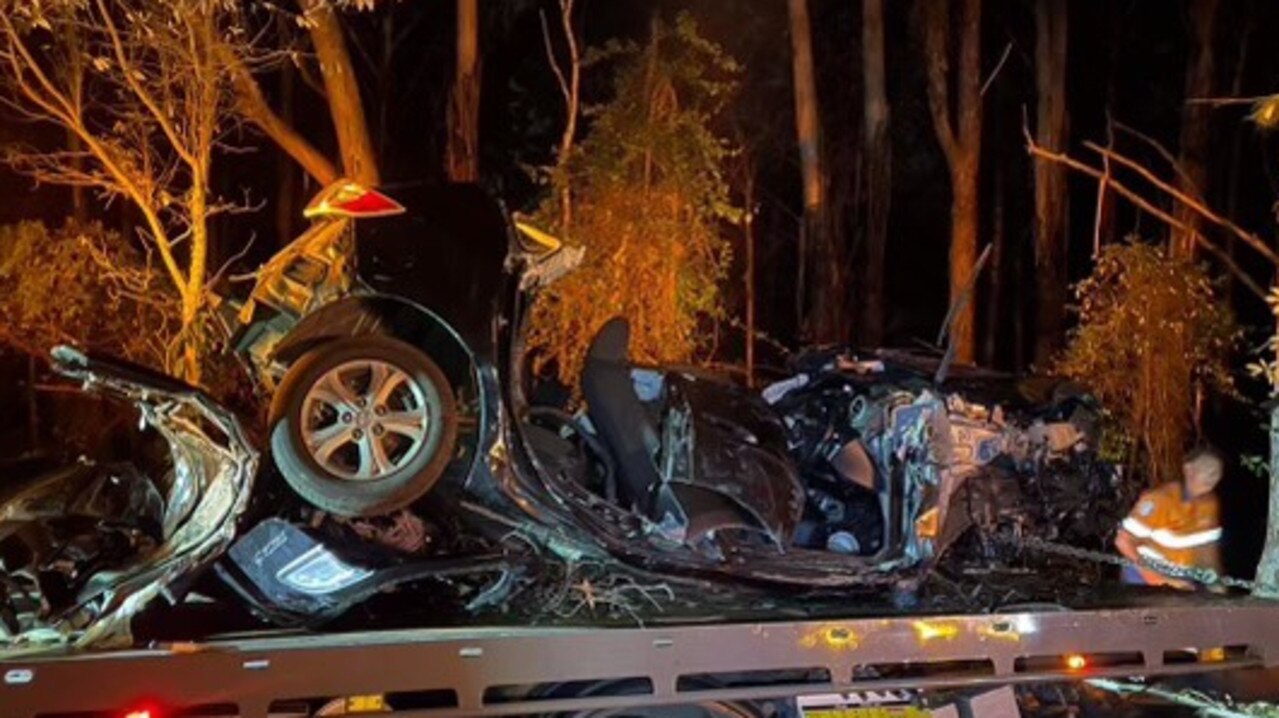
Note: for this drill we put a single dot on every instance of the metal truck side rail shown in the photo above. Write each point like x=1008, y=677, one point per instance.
x=514, y=671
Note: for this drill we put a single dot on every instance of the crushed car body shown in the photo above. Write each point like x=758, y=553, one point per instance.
x=87, y=546
x=851, y=475
x=1005, y=454
x=412, y=455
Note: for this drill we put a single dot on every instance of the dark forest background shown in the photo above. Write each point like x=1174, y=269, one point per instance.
x=1126, y=64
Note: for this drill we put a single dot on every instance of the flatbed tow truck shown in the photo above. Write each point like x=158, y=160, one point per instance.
x=502, y=670
x=538, y=670
x=846, y=647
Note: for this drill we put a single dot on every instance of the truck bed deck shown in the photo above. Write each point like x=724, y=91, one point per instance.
x=519, y=670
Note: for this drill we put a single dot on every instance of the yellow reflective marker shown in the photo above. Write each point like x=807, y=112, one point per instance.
x=930, y=631
x=837, y=638
x=366, y=704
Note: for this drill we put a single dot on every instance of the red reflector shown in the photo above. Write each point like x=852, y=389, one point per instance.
x=348, y=199
x=369, y=204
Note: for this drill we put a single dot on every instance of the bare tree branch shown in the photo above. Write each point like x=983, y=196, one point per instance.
x=59, y=110
x=1227, y=101
x=999, y=66
x=130, y=75
x=1157, y=146
x=937, y=46
x=254, y=107
x=560, y=79
x=570, y=88
x=1190, y=202
x=1148, y=207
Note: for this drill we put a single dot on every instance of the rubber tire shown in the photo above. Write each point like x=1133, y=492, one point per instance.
x=344, y=497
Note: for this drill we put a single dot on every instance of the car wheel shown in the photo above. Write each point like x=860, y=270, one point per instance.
x=363, y=426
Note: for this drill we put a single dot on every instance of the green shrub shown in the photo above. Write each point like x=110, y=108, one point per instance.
x=1152, y=335
x=649, y=200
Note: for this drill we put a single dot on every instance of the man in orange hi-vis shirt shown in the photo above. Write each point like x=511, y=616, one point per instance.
x=1178, y=522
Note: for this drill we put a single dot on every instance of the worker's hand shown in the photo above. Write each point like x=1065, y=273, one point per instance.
x=1127, y=548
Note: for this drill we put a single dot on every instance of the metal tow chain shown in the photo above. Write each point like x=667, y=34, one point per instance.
x=1203, y=576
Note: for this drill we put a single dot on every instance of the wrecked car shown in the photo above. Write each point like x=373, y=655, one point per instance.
x=390, y=334
x=1007, y=455
x=84, y=547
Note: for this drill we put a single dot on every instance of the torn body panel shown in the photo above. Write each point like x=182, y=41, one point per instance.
x=85, y=548
x=854, y=473
x=982, y=449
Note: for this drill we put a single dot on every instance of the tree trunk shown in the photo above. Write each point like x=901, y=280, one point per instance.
x=1268, y=567
x=75, y=145
x=966, y=178
x=960, y=140
x=253, y=106
x=188, y=363
x=359, y=162
x=1018, y=307
x=385, y=81
x=570, y=83
x=286, y=204
x=1234, y=171
x=822, y=272
x=748, y=197
x=193, y=293
x=79, y=207
x=1051, y=18
x=463, y=156
x=879, y=171
x=995, y=300
x=965, y=216
x=1196, y=121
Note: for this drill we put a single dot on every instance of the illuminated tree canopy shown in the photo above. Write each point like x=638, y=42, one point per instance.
x=1152, y=334
x=649, y=203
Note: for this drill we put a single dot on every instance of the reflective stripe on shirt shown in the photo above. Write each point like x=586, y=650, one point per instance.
x=1137, y=528
x=1149, y=552
x=1170, y=539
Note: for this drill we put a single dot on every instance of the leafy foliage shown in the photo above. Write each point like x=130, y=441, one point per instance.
x=142, y=91
x=90, y=287
x=1152, y=334
x=1267, y=365
x=84, y=285
x=648, y=197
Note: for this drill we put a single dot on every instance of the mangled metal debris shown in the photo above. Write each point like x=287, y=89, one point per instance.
x=996, y=451
x=855, y=474
x=84, y=548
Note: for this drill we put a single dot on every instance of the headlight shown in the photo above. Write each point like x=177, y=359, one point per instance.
x=318, y=571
